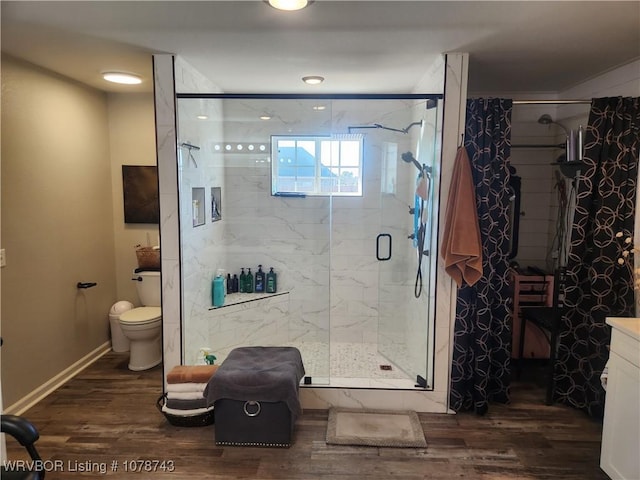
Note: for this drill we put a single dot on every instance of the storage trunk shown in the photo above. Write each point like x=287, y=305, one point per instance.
x=253, y=423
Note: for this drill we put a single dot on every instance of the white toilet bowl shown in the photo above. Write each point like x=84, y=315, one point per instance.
x=143, y=327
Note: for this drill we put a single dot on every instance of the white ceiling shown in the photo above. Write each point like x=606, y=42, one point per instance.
x=245, y=46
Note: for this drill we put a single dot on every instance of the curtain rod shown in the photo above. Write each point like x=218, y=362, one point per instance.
x=549, y=102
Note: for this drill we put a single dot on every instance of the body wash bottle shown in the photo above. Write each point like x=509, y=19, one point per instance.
x=248, y=286
x=259, y=280
x=272, y=283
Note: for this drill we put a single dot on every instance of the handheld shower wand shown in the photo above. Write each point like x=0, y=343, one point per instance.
x=423, y=187
x=409, y=158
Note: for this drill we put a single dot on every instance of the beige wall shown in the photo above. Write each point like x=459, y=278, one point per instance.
x=132, y=142
x=63, y=145
x=57, y=225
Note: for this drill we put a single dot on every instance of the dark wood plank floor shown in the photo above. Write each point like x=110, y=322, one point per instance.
x=108, y=414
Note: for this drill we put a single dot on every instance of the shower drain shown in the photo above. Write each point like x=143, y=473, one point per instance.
x=385, y=367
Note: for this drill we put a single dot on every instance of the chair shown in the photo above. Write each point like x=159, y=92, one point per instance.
x=548, y=320
x=27, y=435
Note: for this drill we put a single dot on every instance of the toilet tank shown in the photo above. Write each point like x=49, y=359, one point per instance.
x=149, y=288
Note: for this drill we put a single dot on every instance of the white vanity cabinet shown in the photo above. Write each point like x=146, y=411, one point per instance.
x=620, y=453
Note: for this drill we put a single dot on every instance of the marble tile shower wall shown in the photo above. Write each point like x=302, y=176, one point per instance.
x=289, y=234
x=202, y=246
x=322, y=248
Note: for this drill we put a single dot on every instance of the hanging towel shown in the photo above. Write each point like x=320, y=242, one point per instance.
x=461, y=244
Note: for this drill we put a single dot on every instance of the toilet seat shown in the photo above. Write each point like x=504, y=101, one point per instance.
x=141, y=315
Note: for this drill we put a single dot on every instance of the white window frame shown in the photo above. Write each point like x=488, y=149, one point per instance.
x=317, y=178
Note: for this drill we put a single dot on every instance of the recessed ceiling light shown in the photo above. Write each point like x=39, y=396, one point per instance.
x=319, y=107
x=122, y=77
x=202, y=117
x=313, y=79
x=265, y=117
x=289, y=5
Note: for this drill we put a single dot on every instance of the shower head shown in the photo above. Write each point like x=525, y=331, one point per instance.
x=409, y=158
x=546, y=119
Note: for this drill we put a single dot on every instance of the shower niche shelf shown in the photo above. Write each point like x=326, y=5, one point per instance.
x=241, y=298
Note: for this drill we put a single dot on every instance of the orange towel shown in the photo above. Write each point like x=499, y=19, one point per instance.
x=461, y=244
x=191, y=373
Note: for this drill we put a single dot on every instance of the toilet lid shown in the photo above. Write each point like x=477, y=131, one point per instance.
x=141, y=315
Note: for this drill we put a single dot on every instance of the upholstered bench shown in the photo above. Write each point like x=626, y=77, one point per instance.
x=255, y=396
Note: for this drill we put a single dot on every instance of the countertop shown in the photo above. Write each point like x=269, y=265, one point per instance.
x=627, y=325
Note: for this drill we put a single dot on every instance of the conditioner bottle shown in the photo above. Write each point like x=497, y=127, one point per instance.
x=248, y=286
x=259, y=280
x=271, y=283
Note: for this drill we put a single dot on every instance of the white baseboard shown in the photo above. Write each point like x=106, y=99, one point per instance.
x=25, y=403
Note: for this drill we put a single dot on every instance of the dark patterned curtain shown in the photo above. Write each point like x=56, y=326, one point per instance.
x=598, y=285
x=482, y=336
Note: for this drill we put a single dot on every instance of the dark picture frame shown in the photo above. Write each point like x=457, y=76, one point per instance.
x=140, y=192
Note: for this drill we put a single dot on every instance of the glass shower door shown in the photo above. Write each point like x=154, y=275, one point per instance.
x=405, y=322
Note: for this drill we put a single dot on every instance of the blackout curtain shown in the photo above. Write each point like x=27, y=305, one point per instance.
x=599, y=284
x=480, y=371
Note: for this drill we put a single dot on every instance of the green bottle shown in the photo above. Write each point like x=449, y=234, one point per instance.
x=272, y=281
x=242, y=281
x=248, y=279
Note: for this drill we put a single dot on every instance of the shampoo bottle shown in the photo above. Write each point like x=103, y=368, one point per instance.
x=248, y=287
x=229, y=283
x=234, y=282
x=259, y=280
x=243, y=280
x=218, y=291
x=272, y=283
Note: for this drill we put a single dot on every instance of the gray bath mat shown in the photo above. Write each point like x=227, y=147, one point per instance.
x=375, y=428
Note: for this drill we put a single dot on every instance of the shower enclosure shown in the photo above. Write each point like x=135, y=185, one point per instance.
x=338, y=195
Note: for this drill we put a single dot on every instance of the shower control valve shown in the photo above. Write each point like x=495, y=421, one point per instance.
x=412, y=210
x=412, y=236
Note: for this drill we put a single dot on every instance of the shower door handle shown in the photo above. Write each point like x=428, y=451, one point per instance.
x=388, y=257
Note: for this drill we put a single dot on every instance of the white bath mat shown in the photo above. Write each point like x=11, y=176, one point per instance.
x=376, y=428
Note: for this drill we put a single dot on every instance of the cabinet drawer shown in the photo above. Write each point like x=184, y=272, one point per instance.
x=625, y=346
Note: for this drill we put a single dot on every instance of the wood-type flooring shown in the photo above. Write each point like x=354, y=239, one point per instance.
x=105, y=421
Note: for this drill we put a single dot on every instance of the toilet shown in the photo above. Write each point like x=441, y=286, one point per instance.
x=143, y=325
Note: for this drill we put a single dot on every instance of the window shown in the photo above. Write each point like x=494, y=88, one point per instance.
x=317, y=165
